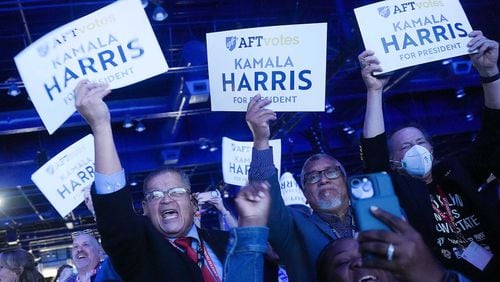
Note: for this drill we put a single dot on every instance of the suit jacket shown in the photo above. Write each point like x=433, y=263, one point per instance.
x=466, y=172
x=297, y=236
x=137, y=250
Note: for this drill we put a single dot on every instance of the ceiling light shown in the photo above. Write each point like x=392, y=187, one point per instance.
x=469, y=117
x=348, y=129
x=204, y=143
x=133, y=182
x=127, y=122
x=139, y=127
x=225, y=194
x=159, y=14
x=329, y=108
x=446, y=62
x=70, y=225
x=13, y=90
x=460, y=93
x=213, y=148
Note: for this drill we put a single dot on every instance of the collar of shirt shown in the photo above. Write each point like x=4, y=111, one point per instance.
x=193, y=234
x=342, y=227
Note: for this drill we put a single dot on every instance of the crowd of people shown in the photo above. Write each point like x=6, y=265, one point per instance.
x=323, y=243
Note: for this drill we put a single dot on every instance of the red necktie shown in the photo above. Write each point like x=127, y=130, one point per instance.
x=185, y=244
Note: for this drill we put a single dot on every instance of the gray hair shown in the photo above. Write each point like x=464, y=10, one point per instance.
x=182, y=174
x=317, y=157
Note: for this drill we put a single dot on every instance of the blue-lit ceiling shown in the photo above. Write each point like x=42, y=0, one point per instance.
x=175, y=131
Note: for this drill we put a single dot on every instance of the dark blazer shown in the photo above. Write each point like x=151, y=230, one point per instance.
x=137, y=250
x=297, y=236
x=466, y=172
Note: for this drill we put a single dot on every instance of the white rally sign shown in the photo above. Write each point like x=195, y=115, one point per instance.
x=62, y=178
x=236, y=157
x=290, y=191
x=408, y=33
x=115, y=44
x=284, y=63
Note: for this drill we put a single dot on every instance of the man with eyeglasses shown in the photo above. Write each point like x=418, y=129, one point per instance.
x=297, y=236
x=162, y=245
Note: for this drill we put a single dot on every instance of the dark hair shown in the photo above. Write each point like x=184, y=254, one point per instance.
x=22, y=263
x=406, y=125
x=315, y=158
x=324, y=259
x=182, y=174
x=60, y=270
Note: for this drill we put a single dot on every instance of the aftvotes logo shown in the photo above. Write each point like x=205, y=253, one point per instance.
x=384, y=11
x=43, y=50
x=231, y=42
x=50, y=169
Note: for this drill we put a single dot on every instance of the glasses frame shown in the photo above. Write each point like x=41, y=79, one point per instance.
x=165, y=193
x=322, y=173
x=90, y=232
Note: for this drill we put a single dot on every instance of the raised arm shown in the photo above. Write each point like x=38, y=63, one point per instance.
x=258, y=118
x=245, y=258
x=486, y=63
x=374, y=116
x=89, y=103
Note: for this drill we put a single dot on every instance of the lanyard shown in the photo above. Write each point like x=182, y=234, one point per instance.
x=448, y=216
x=203, y=254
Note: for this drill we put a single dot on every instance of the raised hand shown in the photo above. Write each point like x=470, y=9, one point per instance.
x=258, y=118
x=253, y=203
x=89, y=102
x=486, y=58
x=369, y=63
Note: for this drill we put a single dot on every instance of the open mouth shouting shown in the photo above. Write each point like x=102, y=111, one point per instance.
x=169, y=214
x=368, y=278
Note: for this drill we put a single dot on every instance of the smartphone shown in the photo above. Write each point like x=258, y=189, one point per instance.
x=374, y=189
x=206, y=196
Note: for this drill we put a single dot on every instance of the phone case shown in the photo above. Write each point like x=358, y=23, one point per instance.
x=383, y=197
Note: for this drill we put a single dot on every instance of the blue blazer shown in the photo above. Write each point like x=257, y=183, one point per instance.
x=297, y=236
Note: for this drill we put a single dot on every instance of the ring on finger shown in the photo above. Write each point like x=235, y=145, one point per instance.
x=390, y=252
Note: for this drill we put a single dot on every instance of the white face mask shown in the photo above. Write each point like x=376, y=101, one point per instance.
x=417, y=161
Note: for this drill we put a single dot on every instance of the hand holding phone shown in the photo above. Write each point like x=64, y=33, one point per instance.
x=375, y=189
x=207, y=196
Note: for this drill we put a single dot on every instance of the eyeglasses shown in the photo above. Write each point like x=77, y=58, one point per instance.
x=315, y=176
x=172, y=193
x=82, y=232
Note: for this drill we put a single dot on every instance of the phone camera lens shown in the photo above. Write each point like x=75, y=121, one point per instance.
x=355, y=183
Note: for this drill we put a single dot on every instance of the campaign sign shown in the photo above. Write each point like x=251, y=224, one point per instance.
x=63, y=177
x=290, y=191
x=236, y=157
x=115, y=44
x=286, y=64
x=407, y=33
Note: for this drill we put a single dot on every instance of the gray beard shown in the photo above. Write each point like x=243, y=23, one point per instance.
x=330, y=204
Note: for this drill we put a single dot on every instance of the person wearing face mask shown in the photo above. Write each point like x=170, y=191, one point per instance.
x=458, y=221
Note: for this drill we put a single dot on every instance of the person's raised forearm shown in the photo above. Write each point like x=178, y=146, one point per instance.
x=106, y=155
x=374, y=116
